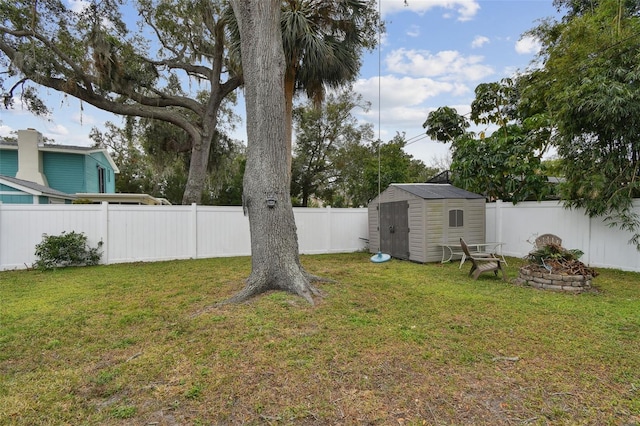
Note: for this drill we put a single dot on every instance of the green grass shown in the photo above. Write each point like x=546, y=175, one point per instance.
x=392, y=343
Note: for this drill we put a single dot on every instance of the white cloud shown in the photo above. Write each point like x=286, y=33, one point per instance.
x=403, y=91
x=528, y=45
x=78, y=6
x=447, y=64
x=465, y=9
x=5, y=130
x=413, y=31
x=54, y=130
x=84, y=119
x=479, y=41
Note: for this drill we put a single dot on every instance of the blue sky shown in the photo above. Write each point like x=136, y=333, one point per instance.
x=434, y=53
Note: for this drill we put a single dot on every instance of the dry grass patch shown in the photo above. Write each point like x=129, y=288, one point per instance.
x=393, y=343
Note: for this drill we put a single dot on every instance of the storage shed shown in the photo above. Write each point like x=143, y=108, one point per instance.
x=416, y=219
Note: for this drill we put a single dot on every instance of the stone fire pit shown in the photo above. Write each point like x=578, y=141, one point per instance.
x=539, y=277
x=552, y=267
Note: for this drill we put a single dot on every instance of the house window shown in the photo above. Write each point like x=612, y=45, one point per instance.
x=102, y=185
x=455, y=218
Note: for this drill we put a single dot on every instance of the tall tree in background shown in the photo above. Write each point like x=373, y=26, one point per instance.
x=93, y=56
x=275, y=262
x=323, y=44
x=335, y=161
x=589, y=87
x=504, y=165
x=388, y=163
x=321, y=137
x=153, y=158
x=575, y=8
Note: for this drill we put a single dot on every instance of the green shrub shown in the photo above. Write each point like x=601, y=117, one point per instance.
x=68, y=249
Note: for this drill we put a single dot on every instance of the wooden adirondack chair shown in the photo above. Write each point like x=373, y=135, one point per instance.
x=484, y=262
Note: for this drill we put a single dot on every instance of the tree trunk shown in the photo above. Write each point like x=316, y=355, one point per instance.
x=274, y=242
x=197, y=170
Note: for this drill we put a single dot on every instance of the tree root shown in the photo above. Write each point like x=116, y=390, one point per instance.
x=299, y=283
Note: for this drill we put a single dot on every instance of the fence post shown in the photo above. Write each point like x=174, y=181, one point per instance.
x=329, y=229
x=498, y=225
x=104, y=224
x=193, y=238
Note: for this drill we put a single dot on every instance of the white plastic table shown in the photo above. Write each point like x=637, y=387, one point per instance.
x=450, y=249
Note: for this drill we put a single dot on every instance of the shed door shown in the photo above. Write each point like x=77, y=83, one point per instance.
x=394, y=229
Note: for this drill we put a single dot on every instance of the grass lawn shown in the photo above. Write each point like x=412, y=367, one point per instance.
x=396, y=343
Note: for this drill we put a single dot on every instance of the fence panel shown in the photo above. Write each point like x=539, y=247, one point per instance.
x=222, y=232
x=603, y=246
x=132, y=233
x=22, y=227
x=349, y=230
x=148, y=233
x=331, y=230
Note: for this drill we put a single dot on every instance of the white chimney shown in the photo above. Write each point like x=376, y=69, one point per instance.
x=29, y=157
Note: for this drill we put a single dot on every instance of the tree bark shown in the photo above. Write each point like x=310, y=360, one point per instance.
x=274, y=242
x=289, y=93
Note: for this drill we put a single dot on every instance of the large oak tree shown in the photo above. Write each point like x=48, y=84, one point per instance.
x=275, y=262
x=93, y=55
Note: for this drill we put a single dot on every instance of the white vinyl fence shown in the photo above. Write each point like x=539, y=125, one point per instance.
x=603, y=246
x=132, y=233
x=151, y=233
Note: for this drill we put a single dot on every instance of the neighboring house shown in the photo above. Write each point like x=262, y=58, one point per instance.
x=32, y=172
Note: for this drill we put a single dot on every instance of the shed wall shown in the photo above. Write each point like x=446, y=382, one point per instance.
x=390, y=195
x=416, y=230
x=435, y=226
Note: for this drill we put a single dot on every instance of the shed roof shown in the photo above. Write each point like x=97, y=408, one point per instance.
x=436, y=191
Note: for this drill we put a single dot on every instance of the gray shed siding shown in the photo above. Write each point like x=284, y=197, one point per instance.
x=428, y=221
x=416, y=230
x=437, y=224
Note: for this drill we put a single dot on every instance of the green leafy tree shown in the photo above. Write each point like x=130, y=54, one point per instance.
x=388, y=163
x=504, y=165
x=323, y=44
x=590, y=87
x=321, y=134
x=228, y=190
x=352, y=191
x=576, y=8
x=445, y=124
x=95, y=57
x=500, y=166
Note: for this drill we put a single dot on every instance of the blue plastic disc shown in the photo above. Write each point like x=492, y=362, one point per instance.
x=380, y=257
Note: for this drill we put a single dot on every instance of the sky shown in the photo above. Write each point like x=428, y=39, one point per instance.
x=434, y=53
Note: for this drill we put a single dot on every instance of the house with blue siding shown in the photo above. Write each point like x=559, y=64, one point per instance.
x=36, y=173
